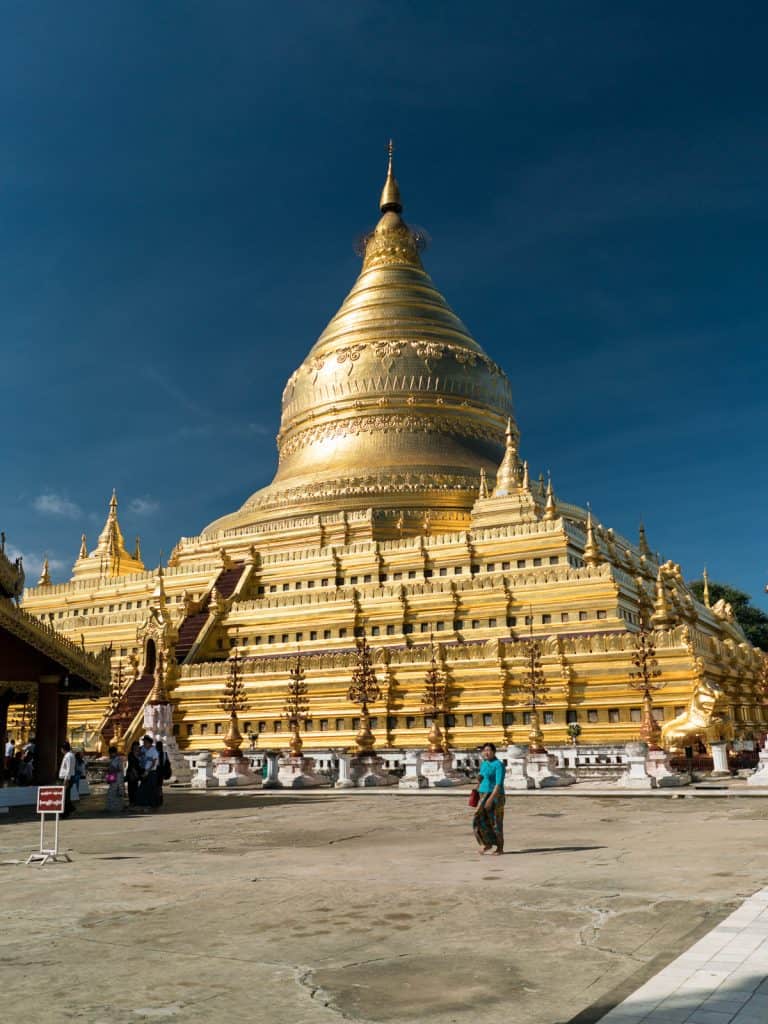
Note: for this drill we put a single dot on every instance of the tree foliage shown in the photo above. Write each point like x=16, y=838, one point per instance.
x=753, y=621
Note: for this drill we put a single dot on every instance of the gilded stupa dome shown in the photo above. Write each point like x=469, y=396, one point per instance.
x=396, y=405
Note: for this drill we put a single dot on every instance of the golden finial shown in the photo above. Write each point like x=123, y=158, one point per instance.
x=550, y=509
x=526, y=484
x=705, y=579
x=137, y=550
x=591, y=550
x=159, y=598
x=45, y=576
x=83, y=547
x=483, y=493
x=390, y=194
x=113, y=502
x=159, y=693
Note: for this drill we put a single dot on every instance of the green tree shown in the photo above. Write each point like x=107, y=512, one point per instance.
x=752, y=620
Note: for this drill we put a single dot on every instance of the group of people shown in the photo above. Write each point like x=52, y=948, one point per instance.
x=18, y=768
x=144, y=771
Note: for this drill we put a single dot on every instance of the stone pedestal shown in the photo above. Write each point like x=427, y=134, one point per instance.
x=760, y=775
x=271, y=779
x=368, y=770
x=438, y=770
x=516, y=775
x=234, y=771
x=720, y=759
x=203, y=777
x=412, y=779
x=345, y=780
x=158, y=723
x=657, y=766
x=636, y=775
x=543, y=770
x=299, y=773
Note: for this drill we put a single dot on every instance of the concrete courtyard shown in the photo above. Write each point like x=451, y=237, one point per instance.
x=367, y=907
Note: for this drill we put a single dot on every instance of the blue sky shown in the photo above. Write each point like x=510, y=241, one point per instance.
x=181, y=185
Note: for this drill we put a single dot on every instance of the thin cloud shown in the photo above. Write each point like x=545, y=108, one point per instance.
x=143, y=506
x=51, y=504
x=33, y=563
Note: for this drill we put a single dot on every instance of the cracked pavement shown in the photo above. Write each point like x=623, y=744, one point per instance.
x=321, y=907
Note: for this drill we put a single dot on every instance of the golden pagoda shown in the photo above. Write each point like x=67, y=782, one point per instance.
x=401, y=510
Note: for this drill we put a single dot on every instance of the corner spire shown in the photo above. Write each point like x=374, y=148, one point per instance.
x=550, y=508
x=83, y=547
x=591, y=550
x=663, y=617
x=705, y=580
x=507, y=476
x=390, y=194
x=45, y=576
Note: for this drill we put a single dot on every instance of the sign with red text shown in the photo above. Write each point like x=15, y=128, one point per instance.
x=50, y=800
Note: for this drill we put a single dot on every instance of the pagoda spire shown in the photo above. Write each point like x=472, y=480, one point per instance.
x=550, y=508
x=137, y=549
x=110, y=556
x=483, y=492
x=705, y=580
x=591, y=550
x=526, y=484
x=45, y=575
x=390, y=194
x=507, y=476
x=643, y=542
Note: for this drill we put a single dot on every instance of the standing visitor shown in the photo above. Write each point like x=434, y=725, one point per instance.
x=147, y=795
x=115, y=790
x=80, y=786
x=10, y=746
x=488, y=822
x=134, y=773
x=27, y=766
x=163, y=773
x=67, y=777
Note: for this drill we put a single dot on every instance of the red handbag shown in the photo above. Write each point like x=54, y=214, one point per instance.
x=474, y=798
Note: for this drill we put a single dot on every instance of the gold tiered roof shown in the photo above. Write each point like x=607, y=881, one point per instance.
x=395, y=404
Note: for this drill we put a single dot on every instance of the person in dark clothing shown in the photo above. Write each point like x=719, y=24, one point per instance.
x=163, y=764
x=133, y=773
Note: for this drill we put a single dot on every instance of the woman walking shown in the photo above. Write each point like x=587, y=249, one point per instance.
x=115, y=790
x=488, y=822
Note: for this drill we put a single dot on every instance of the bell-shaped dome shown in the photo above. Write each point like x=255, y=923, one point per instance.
x=396, y=404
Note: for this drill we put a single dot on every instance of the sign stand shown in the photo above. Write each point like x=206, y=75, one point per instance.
x=50, y=800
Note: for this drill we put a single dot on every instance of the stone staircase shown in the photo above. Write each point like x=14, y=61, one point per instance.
x=190, y=628
x=132, y=702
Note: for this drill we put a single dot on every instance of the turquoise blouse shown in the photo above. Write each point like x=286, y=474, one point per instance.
x=491, y=775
